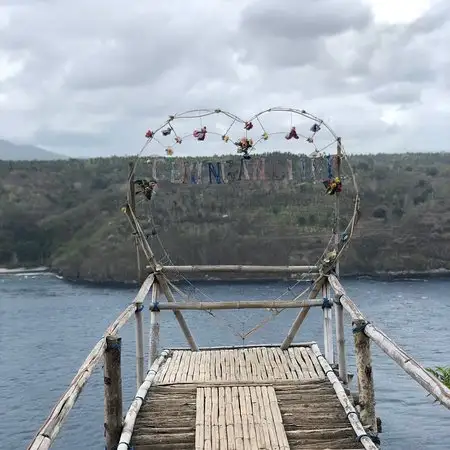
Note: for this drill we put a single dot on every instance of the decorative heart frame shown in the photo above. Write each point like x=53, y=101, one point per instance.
x=246, y=144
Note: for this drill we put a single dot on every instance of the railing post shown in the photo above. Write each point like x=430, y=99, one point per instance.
x=154, y=327
x=113, y=392
x=327, y=307
x=139, y=344
x=365, y=375
x=340, y=339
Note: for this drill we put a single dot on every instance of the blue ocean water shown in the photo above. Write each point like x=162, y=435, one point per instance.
x=47, y=328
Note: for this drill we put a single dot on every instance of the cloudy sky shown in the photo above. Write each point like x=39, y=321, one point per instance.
x=89, y=77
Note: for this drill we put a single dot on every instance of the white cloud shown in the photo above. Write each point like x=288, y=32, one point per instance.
x=89, y=78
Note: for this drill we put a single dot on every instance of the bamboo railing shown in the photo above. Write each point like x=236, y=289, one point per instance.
x=107, y=349
x=51, y=427
x=414, y=369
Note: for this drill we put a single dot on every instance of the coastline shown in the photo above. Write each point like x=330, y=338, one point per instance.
x=132, y=284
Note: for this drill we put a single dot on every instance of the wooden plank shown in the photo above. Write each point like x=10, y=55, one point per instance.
x=308, y=371
x=319, y=370
x=163, y=370
x=280, y=356
x=215, y=441
x=255, y=366
x=184, y=366
x=276, y=370
x=222, y=419
x=261, y=430
x=200, y=420
x=237, y=372
x=261, y=392
x=276, y=415
x=265, y=363
x=231, y=442
x=298, y=369
x=238, y=432
x=208, y=428
x=243, y=366
x=245, y=396
x=191, y=368
x=172, y=375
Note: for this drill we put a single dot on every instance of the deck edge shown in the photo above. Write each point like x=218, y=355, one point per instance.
x=349, y=409
x=133, y=410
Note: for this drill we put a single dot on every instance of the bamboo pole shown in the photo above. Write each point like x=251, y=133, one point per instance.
x=160, y=276
x=52, y=425
x=170, y=298
x=139, y=344
x=413, y=368
x=262, y=304
x=131, y=199
x=154, y=327
x=302, y=315
x=364, y=372
x=327, y=306
x=352, y=415
x=113, y=392
x=130, y=418
x=340, y=340
x=238, y=268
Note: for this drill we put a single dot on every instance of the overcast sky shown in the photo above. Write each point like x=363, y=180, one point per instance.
x=89, y=77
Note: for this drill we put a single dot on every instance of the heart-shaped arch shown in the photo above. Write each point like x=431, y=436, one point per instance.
x=246, y=137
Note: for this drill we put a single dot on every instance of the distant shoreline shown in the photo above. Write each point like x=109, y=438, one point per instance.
x=117, y=284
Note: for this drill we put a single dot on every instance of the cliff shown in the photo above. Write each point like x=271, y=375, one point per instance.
x=66, y=215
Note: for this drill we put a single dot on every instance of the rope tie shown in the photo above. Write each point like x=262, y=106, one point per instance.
x=327, y=303
x=359, y=326
x=154, y=306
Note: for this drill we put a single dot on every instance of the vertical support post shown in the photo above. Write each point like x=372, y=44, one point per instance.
x=336, y=207
x=139, y=344
x=131, y=198
x=340, y=339
x=327, y=308
x=113, y=392
x=153, y=344
x=365, y=376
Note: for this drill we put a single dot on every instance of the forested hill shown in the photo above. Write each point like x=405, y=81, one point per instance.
x=66, y=215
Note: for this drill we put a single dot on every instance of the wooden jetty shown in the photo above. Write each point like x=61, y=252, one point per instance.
x=283, y=396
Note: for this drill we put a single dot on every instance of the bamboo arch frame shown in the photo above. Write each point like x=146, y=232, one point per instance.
x=340, y=153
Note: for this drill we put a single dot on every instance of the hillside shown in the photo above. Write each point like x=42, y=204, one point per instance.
x=14, y=152
x=66, y=214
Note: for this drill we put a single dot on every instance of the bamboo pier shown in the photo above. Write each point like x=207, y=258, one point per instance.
x=249, y=397
x=286, y=395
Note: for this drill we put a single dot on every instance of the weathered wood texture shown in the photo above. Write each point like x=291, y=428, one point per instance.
x=239, y=268
x=240, y=304
x=247, y=398
x=314, y=418
x=239, y=417
x=113, y=391
x=246, y=364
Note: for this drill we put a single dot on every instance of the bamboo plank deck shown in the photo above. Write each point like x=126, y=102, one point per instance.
x=250, y=398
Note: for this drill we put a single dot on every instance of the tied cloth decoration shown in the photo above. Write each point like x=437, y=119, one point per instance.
x=333, y=185
x=243, y=146
x=200, y=135
x=292, y=134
